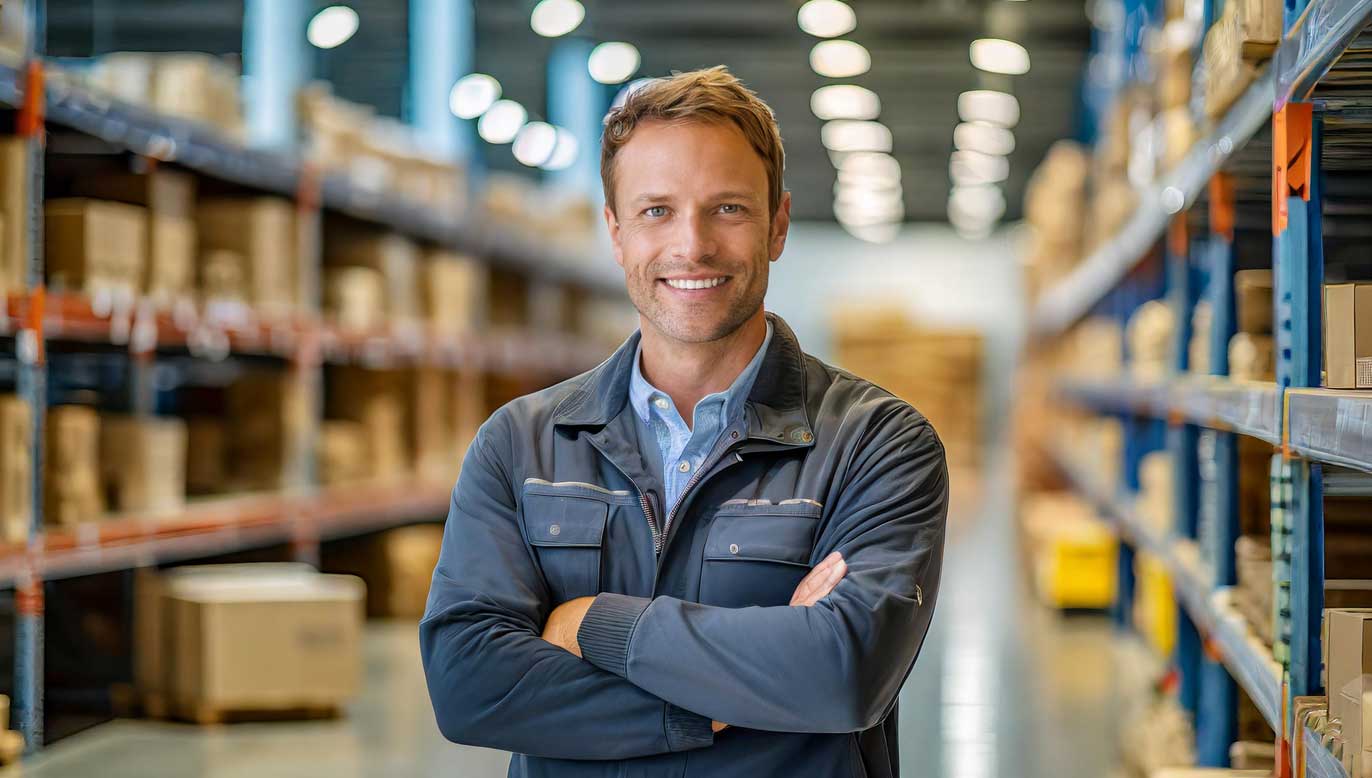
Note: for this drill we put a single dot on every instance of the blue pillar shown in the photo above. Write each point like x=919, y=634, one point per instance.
x=442, y=50
x=578, y=103
x=276, y=63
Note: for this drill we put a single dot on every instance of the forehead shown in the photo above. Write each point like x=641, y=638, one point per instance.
x=688, y=155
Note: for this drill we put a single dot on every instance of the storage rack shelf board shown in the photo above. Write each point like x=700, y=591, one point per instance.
x=225, y=525
x=1307, y=51
x=1249, y=661
x=1331, y=426
x=1319, y=763
x=1249, y=408
x=200, y=148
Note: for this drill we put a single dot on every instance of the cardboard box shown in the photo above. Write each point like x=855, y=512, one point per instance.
x=1348, y=336
x=341, y=455
x=223, y=277
x=16, y=469
x=398, y=566
x=1259, y=27
x=169, y=196
x=432, y=428
x=72, y=493
x=375, y=399
x=1252, y=358
x=95, y=245
x=269, y=414
x=355, y=297
x=199, y=87
x=469, y=407
x=262, y=231
x=1349, y=671
x=395, y=257
x=14, y=198
x=454, y=293
x=143, y=463
x=203, y=636
x=1253, y=301
x=206, y=456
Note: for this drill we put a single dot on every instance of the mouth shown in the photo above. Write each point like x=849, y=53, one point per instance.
x=695, y=284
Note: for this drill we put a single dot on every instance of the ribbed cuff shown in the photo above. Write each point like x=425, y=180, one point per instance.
x=606, y=629
x=687, y=730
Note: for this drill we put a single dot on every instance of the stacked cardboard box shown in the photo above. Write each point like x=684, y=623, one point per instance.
x=143, y=463
x=1348, y=336
x=391, y=255
x=1154, y=503
x=1149, y=335
x=355, y=297
x=95, y=245
x=169, y=197
x=341, y=455
x=432, y=435
x=222, y=640
x=190, y=85
x=469, y=406
x=14, y=198
x=397, y=565
x=454, y=292
x=207, y=462
x=262, y=232
x=1251, y=348
x=16, y=469
x=1242, y=38
x=71, y=481
x=937, y=370
x=1055, y=208
x=269, y=413
x=1348, y=668
x=376, y=400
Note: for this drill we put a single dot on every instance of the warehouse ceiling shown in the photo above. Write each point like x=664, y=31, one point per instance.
x=919, y=67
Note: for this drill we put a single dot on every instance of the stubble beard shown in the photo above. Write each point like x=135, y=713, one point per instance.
x=686, y=325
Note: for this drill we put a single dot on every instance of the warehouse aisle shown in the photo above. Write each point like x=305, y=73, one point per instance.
x=1003, y=688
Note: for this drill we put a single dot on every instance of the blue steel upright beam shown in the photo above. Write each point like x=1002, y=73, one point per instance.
x=276, y=63
x=577, y=103
x=442, y=50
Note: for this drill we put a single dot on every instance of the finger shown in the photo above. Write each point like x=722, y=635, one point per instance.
x=831, y=580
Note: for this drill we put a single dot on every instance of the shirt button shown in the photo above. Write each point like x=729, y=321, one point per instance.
x=684, y=467
x=555, y=530
x=733, y=548
x=661, y=402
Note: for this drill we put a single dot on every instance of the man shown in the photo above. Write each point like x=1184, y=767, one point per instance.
x=712, y=555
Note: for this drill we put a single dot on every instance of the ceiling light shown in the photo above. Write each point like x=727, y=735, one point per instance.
x=472, y=95
x=501, y=122
x=983, y=137
x=848, y=135
x=865, y=191
x=869, y=213
x=884, y=232
x=985, y=105
x=840, y=59
x=613, y=62
x=999, y=56
x=534, y=144
x=332, y=26
x=552, y=18
x=984, y=202
x=845, y=101
x=973, y=167
x=826, y=18
x=866, y=163
x=564, y=151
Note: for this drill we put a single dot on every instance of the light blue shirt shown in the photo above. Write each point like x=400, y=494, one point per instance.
x=681, y=450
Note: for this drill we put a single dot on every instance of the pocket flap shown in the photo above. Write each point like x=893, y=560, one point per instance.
x=564, y=521
x=767, y=537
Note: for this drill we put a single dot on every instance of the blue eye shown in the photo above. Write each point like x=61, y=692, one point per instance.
x=731, y=208
x=656, y=211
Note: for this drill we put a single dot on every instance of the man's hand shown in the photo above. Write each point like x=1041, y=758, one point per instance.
x=820, y=581
x=564, y=622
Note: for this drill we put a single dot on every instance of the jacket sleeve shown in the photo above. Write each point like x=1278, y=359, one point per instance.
x=833, y=667
x=492, y=679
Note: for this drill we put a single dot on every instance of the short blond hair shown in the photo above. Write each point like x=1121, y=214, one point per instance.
x=709, y=95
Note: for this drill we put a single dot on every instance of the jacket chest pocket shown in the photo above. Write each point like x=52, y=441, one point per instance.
x=566, y=528
x=756, y=554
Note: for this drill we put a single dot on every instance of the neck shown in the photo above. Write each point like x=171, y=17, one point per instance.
x=689, y=371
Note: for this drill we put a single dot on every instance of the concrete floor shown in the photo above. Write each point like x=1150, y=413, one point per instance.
x=1002, y=688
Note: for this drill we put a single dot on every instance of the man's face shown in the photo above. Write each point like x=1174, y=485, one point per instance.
x=691, y=227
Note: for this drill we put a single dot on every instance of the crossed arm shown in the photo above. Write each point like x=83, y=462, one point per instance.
x=660, y=672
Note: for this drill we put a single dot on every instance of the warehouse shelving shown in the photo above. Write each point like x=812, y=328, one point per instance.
x=1249, y=661
x=1313, y=96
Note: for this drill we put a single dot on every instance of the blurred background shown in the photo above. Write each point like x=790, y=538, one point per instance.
x=268, y=264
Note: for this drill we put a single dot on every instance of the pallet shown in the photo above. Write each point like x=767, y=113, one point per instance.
x=158, y=707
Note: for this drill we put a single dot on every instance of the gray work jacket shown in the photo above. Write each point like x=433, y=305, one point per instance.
x=695, y=625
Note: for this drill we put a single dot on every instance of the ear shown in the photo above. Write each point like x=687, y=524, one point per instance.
x=781, y=224
x=612, y=224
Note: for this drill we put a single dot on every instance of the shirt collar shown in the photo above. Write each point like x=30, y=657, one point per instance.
x=735, y=397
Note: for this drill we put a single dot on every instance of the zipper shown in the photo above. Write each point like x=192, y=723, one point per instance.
x=582, y=484
x=642, y=500
x=686, y=490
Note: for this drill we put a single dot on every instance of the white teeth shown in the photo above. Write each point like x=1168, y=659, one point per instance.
x=706, y=283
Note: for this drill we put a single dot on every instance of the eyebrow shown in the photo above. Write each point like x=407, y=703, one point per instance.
x=730, y=195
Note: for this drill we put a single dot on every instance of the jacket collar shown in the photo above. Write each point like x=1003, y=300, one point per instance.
x=776, y=403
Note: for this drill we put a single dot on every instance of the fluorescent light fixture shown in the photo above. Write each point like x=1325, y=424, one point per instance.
x=974, y=167
x=826, y=18
x=535, y=143
x=985, y=202
x=840, y=59
x=849, y=135
x=995, y=55
x=554, y=18
x=867, y=192
x=845, y=101
x=983, y=137
x=985, y=105
x=501, y=122
x=613, y=62
x=564, y=151
x=472, y=95
x=332, y=27
x=884, y=232
x=870, y=164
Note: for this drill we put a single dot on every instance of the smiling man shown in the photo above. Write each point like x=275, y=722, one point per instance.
x=712, y=555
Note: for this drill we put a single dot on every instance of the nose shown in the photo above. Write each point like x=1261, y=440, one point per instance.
x=694, y=239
